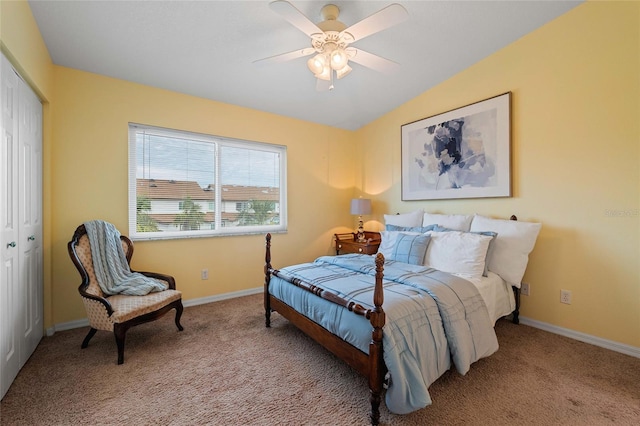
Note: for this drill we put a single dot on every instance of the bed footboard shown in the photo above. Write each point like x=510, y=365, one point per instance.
x=370, y=365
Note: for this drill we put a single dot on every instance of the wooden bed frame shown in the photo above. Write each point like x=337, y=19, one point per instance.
x=370, y=365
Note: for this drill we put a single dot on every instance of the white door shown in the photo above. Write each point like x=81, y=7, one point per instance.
x=9, y=275
x=30, y=219
x=21, y=257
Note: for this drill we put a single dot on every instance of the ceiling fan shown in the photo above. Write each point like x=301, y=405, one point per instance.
x=331, y=40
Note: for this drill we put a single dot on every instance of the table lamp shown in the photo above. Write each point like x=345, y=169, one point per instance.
x=360, y=206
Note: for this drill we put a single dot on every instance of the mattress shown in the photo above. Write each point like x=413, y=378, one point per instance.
x=496, y=293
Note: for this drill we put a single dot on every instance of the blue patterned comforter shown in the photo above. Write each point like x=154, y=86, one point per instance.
x=431, y=318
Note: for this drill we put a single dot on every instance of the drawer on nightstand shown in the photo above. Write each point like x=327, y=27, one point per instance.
x=345, y=243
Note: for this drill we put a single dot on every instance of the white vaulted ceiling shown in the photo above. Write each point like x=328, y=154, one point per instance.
x=207, y=49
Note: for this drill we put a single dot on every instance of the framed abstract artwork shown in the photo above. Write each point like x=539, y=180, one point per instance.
x=463, y=153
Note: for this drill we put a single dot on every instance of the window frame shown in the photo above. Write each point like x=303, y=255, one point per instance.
x=218, y=142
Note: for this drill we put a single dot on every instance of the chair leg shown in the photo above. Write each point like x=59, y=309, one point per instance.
x=91, y=333
x=179, y=309
x=119, y=331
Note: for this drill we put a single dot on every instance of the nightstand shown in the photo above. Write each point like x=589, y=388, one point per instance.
x=346, y=243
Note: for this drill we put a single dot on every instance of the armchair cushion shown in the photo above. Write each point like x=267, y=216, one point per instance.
x=126, y=307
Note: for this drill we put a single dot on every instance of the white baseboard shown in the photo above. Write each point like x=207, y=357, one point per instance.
x=186, y=303
x=587, y=338
x=219, y=297
x=67, y=326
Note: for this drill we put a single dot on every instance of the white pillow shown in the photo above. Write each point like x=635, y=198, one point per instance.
x=388, y=242
x=512, y=246
x=459, y=222
x=457, y=252
x=493, y=236
x=406, y=219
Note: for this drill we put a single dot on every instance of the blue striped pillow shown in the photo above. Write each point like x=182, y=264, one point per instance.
x=410, y=249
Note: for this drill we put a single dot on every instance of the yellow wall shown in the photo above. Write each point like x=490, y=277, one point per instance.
x=90, y=182
x=575, y=87
x=22, y=44
x=575, y=144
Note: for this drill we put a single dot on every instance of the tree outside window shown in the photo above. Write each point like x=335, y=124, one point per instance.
x=191, y=217
x=144, y=222
x=257, y=212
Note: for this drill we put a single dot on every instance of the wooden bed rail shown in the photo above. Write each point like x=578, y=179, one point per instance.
x=356, y=308
x=370, y=365
x=331, y=297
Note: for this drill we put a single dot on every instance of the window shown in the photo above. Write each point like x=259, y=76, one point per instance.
x=185, y=185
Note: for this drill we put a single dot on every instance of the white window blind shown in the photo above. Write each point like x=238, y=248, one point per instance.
x=184, y=184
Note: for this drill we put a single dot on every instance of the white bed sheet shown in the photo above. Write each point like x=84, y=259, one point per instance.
x=496, y=292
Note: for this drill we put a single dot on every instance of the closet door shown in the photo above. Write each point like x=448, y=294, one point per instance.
x=30, y=219
x=10, y=297
x=21, y=257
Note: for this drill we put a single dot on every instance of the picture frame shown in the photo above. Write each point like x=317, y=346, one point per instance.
x=462, y=153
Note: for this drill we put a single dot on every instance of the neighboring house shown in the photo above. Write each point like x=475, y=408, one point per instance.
x=237, y=200
x=168, y=199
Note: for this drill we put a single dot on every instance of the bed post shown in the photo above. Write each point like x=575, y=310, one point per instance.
x=376, y=360
x=516, y=293
x=516, y=313
x=267, y=278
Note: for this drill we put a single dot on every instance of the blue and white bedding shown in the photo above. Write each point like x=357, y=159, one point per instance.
x=432, y=317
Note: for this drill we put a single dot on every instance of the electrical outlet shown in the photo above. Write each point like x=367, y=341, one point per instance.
x=524, y=289
x=565, y=296
x=204, y=275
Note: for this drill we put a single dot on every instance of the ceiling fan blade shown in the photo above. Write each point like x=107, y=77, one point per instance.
x=294, y=17
x=375, y=62
x=283, y=57
x=381, y=20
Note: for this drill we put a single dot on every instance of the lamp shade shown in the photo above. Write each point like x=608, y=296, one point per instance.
x=360, y=206
x=316, y=64
x=343, y=72
x=325, y=74
x=338, y=59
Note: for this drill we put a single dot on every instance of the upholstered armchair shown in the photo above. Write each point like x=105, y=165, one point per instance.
x=119, y=312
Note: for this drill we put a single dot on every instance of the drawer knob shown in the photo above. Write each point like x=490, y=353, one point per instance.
x=339, y=245
x=360, y=249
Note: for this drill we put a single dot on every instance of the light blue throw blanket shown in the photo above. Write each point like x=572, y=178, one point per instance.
x=111, y=266
x=432, y=318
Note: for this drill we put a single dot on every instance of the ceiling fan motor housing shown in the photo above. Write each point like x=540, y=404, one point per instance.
x=330, y=12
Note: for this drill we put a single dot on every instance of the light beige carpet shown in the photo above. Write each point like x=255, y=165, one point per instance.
x=226, y=368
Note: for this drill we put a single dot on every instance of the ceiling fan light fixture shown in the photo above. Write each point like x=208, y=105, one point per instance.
x=343, y=71
x=330, y=40
x=325, y=74
x=317, y=64
x=339, y=59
